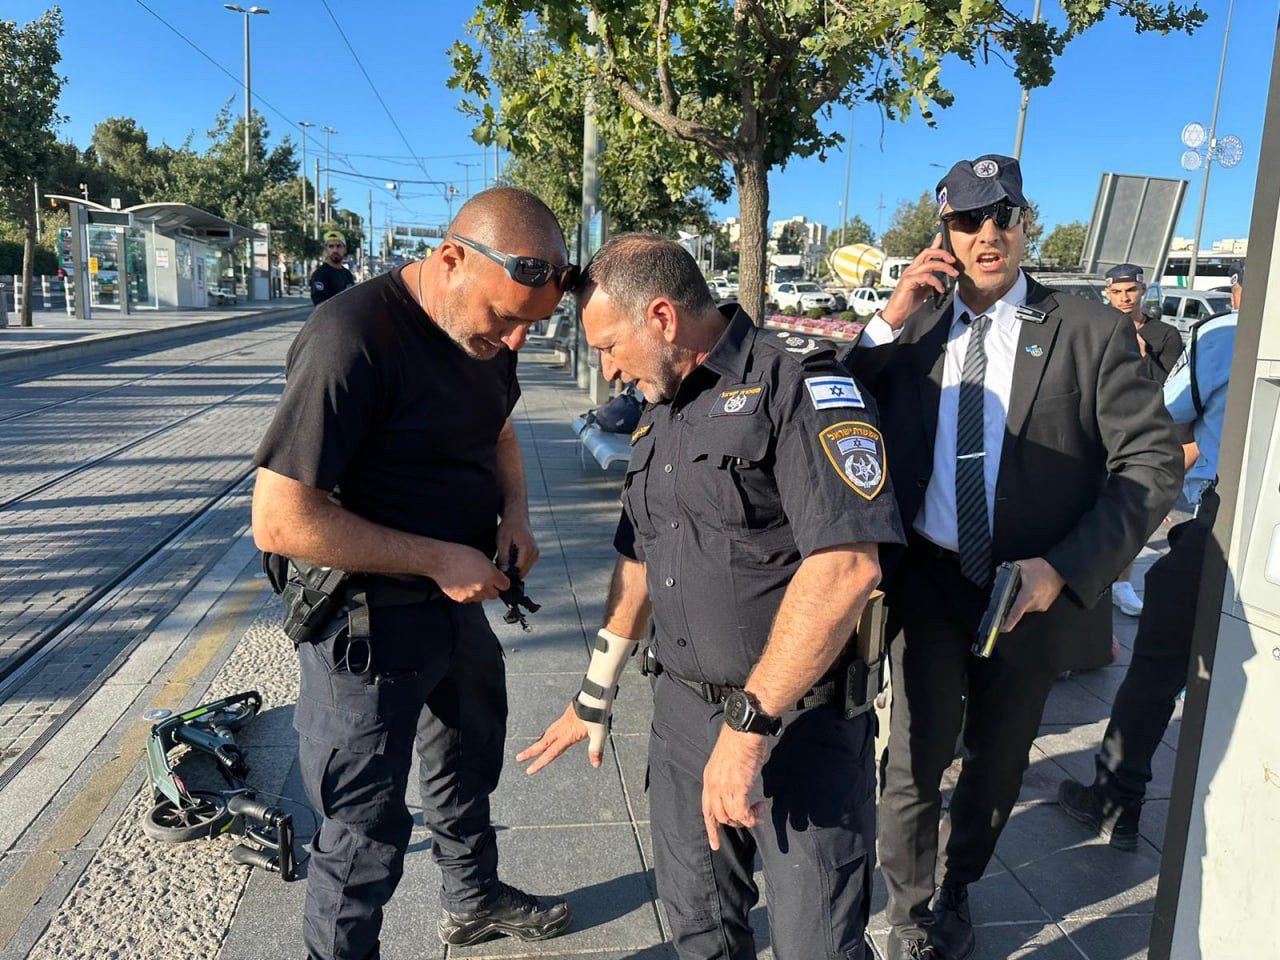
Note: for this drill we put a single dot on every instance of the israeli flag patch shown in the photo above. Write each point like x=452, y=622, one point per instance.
x=828, y=392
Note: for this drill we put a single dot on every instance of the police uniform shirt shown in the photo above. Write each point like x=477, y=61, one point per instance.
x=329, y=281
x=381, y=406
x=769, y=451
x=1214, y=345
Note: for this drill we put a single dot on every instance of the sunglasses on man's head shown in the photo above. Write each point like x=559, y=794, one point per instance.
x=527, y=271
x=1003, y=215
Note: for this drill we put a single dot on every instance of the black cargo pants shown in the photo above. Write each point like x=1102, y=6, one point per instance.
x=440, y=684
x=816, y=842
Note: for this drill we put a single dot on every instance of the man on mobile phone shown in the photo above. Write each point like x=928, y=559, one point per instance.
x=1026, y=433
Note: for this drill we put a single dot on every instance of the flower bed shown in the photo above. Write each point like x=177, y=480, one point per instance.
x=830, y=327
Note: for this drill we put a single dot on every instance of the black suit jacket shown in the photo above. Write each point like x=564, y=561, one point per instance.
x=1089, y=466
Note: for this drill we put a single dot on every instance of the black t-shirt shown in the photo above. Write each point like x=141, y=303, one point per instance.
x=328, y=281
x=382, y=408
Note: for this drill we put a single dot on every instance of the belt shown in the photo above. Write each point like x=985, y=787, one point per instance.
x=931, y=549
x=716, y=693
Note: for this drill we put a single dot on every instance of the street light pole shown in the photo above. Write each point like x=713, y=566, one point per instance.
x=848, y=169
x=467, y=167
x=248, y=106
x=328, y=179
x=1026, y=95
x=1208, y=156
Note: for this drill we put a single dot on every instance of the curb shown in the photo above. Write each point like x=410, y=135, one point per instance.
x=27, y=358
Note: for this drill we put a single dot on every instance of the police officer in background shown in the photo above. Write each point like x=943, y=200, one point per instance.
x=755, y=500
x=1023, y=430
x=331, y=277
x=1195, y=394
x=392, y=454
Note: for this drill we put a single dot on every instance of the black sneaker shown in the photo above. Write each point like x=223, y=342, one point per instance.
x=1115, y=822
x=910, y=945
x=952, y=932
x=512, y=913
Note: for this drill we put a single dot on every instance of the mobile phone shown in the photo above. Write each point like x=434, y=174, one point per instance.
x=1007, y=584
x=948, y=281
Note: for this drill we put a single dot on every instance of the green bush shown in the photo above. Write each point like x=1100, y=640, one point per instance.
x=791, y=311
x=815, y=313
x=11, y=259
x=848, y=316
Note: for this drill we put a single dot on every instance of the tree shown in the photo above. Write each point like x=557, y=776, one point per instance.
x=648, y=180
x=29, y=91
x=855, y=230
x=790, y=240
x=750, y=81
x=1065, y=244
x=913, y=227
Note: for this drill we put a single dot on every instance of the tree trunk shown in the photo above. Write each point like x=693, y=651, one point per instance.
x=752, y=178
x=28, y=259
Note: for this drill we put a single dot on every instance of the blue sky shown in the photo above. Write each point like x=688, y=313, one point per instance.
x=1117, y=104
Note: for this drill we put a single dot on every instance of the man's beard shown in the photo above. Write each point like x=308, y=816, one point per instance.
x=665, y=381
x=448, y=320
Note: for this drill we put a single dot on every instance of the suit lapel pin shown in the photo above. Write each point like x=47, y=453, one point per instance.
x=1035, y=350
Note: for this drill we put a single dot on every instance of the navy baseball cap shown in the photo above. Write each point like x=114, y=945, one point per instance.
x=1125, y=273
x=974, y=184
x=1237, y=274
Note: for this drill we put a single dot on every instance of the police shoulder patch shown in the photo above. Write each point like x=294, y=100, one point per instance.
x=827, y=392
x=740, y=399
x=856, y=451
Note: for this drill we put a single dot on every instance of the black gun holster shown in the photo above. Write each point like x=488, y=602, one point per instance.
x=312, y=596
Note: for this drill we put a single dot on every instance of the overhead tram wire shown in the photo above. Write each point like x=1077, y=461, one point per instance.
x=390, y=116
x=238, y=80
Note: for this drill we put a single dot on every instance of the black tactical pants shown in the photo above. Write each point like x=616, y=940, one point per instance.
x=816, y=842
x=1161, y=658
x=934, y=678
x=441, y=686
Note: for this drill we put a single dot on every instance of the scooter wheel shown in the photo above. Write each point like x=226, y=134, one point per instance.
x=205, y=817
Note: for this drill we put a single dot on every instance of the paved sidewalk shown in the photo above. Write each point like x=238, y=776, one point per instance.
x=1052, y=893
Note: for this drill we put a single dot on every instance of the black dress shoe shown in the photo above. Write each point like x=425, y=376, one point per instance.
x=1115, y=822
x=952, y=932
x=512, y=913
x=910, y=945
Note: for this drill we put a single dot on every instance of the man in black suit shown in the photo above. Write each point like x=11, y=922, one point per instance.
x=1021, y=430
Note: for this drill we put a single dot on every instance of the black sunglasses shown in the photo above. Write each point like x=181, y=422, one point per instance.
x=527, y=271
x=1003, y=215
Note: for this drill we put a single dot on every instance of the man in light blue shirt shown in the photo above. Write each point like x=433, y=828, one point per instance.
x=1195, y=394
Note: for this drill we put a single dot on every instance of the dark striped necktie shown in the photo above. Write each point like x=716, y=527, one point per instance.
x=972, y=529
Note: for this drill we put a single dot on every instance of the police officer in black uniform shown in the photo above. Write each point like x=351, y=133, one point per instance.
x=392, y=454
x=755, y=500
x=331, y=277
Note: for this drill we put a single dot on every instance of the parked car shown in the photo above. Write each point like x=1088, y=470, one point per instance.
x=1182, y=308
x=867, y=300
x=1087, y=285
x=222, y=297
x=802, y=295
x=722, y=288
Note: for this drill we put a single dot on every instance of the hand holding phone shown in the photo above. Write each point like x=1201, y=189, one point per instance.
x=943, y=242
x=933, y=272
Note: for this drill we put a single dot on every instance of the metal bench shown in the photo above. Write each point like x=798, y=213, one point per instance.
x=606, y=448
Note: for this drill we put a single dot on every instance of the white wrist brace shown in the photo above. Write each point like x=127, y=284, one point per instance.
x=594, y=702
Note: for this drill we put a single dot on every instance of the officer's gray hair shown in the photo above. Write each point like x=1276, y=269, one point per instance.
x=634, y=269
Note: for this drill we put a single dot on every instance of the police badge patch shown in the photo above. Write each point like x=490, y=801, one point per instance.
x=856, y=450
x=741, y=399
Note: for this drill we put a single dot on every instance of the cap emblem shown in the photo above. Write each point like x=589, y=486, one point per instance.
x=986, y=169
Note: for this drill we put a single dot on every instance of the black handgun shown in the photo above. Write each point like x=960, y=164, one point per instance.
x=514, y=596
x=1008, y=583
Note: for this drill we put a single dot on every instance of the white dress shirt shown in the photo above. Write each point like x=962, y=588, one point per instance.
x=936, y=520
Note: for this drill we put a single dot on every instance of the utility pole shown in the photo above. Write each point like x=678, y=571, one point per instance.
x=848, y=169
x=303, y=125
x=371, y=231
x=1208, y=157
x=328, y=180
x=588, y=377
x=467, y=167
x=317, y=233
x=1026, y=95
x=248, y=128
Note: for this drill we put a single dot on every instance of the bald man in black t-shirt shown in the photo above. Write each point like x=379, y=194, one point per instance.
x=392, y=455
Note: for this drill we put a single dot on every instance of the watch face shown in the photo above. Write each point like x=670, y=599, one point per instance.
x=735, y=709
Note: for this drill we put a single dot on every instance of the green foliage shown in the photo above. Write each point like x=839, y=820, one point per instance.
x=791, y=240
x=29, y=91
x=848, y=316
x=815, y=313
x=912, y=228
x=791, y=310
x=1065, y=244
x=855, y=230
x=751, y=82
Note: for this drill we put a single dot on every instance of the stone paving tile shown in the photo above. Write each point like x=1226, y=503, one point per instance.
x=1110, y=938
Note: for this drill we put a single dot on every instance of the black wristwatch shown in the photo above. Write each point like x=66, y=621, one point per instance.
x=742, y=713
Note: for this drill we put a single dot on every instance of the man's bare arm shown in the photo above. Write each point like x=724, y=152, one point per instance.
x=626, y=612
x=515, y=529
x=815, y=622
x=302, y=522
